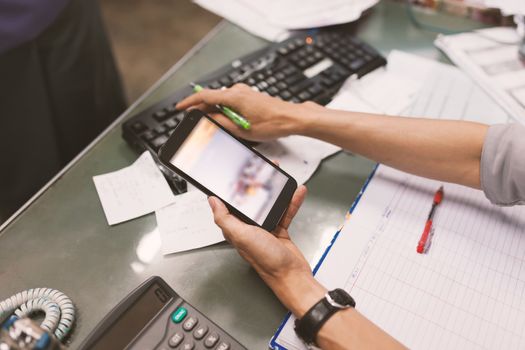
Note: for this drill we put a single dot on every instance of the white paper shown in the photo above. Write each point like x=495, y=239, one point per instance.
x=387, y=90
x=238, y=13
x=134, y=191
x=466, y=292
x=301, y=14
x=273, y=19
x=187, y=224
x=299, y=156
x=490, y=57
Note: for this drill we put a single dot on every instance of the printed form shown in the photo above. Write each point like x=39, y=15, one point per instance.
x=467, y=292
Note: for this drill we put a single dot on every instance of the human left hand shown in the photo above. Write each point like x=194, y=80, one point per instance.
x=274, y=256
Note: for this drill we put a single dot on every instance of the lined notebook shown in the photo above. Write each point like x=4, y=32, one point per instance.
x=467, y=292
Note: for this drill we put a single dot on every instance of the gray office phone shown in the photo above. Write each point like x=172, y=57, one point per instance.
x=153, y=316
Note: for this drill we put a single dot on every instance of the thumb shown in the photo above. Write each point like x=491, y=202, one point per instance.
x=232, y=228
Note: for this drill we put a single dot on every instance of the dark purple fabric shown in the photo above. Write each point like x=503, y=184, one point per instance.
x=23, y=20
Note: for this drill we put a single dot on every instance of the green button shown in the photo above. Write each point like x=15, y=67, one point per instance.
x=178, y=315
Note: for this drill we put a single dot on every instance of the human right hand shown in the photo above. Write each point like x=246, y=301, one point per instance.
x=270, y=117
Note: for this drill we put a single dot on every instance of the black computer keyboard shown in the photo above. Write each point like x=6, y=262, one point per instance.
x=306, y=67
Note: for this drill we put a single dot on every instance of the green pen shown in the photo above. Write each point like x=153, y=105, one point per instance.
x=230, y=113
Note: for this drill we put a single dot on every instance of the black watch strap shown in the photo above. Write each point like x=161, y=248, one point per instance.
x=309, y=325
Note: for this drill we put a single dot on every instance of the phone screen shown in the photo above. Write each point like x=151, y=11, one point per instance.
x=229, y=169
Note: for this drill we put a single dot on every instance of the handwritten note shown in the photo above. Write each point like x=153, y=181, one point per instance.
x=134, y=191
x=187, y=224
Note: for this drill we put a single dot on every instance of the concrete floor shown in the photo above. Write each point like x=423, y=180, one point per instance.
x=149, y=36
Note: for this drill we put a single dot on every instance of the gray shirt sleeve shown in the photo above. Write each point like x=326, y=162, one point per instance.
x=503, y=164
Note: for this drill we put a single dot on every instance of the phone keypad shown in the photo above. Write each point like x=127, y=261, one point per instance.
x=190, y=330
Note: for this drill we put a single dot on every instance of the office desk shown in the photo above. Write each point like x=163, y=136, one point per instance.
x=62, y=240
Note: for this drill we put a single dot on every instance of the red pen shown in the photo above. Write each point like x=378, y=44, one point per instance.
x=424, y=241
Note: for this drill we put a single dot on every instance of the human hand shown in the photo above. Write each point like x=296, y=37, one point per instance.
x=270, y=117
x=275, y=257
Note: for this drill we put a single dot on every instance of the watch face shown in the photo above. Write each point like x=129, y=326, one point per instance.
x=340, y=296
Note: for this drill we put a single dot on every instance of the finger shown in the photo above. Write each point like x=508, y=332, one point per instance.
x=293, y=208
x=208, y=96
x=232, y=228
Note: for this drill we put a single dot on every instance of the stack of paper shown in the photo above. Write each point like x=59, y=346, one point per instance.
x=273, y=19
x=490, y=57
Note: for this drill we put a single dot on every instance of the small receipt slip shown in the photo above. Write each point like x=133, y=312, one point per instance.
x=187, y=224
x=133, y=191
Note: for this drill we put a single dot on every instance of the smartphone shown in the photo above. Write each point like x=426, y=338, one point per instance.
x=208, y=156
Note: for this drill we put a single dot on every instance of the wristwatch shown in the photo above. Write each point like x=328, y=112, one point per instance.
x=309, y=325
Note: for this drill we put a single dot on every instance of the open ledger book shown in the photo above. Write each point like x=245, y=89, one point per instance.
x=466, y=292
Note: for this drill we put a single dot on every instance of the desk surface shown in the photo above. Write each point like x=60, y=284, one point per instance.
x=62, y=240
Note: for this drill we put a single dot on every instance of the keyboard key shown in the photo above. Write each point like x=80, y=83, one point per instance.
x=190, y=345
x=326, y=81
x=285, y=95
x=295, y=89
x=271, y=80
x=234, y=75
x=315, y=90
x=138, y=127
x=156, y=144
x=289, y=70
x=148, y=135
x=272, y=90
x=171, y=123
x=303, y=64
x=281, y=85
x=250, y=81
x=171, y=110
x=279, y=76
x=223, y=346
x=305, y=95
x=161, y=115
x=259, y=76
x=225, y=81
x=211, y=340
x=311, y=60
x=215, y=85
x=263, y=85
x=175, y=340
x=178, y=315
x=299, y=42
x=357, y=64
x=294, y=78
x=200, y=332
x=283, y=51
x=161, y=129
x=190, y=323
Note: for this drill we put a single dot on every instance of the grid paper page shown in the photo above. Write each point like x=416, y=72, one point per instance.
x=467, y=292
